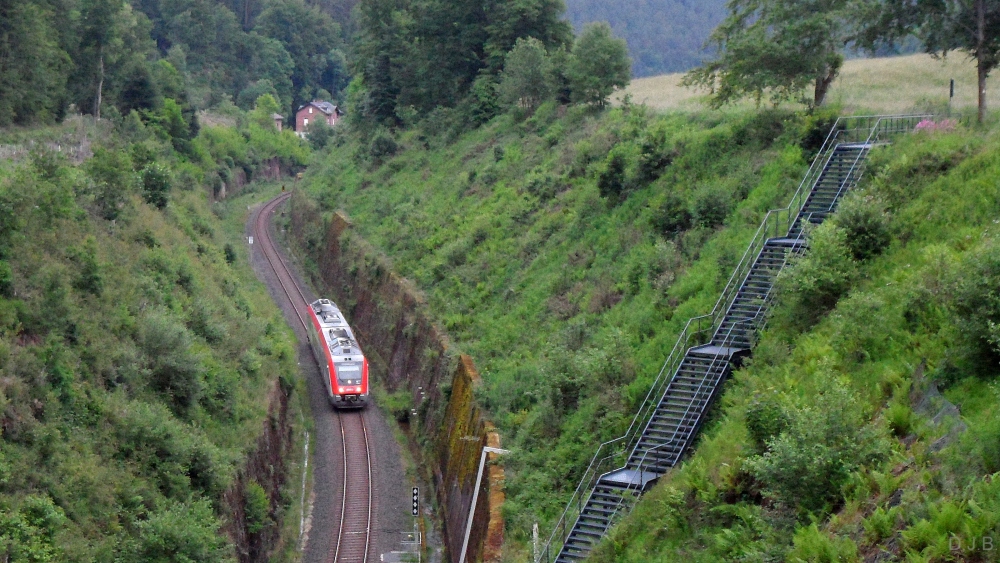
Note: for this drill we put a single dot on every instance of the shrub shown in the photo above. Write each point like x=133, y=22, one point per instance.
x=112, y=181
x=817, y=279
x=611, y=181
x=257, y=508
x=672, y=216
x=176, y=371
x=765, y=419
x=382, y=146
x=184, y=532
x=320, y=134
x=806, y=465
x=28, y=533
x=6, y=279
x=976, y=303
x=865, y=224
x=155, y=182
x=89, y=278
x=711, y=206
x=230, y=253
x=816, y=128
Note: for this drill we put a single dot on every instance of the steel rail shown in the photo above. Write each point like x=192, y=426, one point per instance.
x=355, y=470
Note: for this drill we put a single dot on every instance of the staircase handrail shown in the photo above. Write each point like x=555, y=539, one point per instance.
x=896, y=124
x=844, y=127
x=717, y=359
x=597, y=462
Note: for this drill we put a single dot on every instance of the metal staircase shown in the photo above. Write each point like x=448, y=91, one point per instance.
x=710, y=345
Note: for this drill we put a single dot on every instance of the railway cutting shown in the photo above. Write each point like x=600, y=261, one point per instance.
x=349, y=535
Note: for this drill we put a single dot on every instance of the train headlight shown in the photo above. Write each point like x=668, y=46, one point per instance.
x=340, y=389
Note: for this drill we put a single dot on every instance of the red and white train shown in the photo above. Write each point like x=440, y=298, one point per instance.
x=343, y=365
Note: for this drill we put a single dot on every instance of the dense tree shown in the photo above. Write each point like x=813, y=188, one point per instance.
x=972, y=26
x=99, y=33
x=525, y=77
x=309, y=36
x=510, y=21
x=776, y=48
x=379, y=58
x=598, y=64
x=423, y=54
x=32, y=64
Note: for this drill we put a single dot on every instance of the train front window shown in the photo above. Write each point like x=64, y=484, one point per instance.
x=349, y=374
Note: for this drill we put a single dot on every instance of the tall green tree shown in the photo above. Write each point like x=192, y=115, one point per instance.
x=525, y=77
x=99, y=37
x=111, y=60
x=971, y=26
x=33, y=65
x=598, y=64
x=308, y=35
x=380, y=58
x=776, y=48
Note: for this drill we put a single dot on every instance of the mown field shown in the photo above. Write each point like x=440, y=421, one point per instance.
x=864, y=86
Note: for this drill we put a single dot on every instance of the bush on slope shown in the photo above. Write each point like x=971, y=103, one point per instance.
x=913, y=320
x=564, y=252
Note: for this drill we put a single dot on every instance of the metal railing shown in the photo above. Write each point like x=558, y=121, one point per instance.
x=613, y=454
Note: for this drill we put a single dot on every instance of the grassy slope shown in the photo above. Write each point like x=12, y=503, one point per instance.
x=864, y=86
x=944, y=205
x=104, y=329
x=567, y=302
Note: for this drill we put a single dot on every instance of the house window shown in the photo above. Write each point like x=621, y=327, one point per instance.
x=310, y=111
x=305, y=121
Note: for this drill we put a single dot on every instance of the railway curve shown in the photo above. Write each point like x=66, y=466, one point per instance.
x=347, y=483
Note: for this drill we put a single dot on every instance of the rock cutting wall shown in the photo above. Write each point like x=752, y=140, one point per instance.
x=390, y=317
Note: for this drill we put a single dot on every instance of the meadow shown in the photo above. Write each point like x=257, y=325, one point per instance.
x=865, y=86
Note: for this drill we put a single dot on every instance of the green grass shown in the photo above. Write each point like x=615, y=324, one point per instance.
x=567, y=300
x=136, y=362
x=541, y=248
x=944, y=208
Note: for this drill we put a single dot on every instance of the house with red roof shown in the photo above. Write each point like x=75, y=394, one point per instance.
x=314, y=110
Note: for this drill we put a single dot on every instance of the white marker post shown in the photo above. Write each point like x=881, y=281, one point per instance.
x=475, y=496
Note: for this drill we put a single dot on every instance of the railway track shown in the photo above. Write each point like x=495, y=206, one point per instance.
x=353, y=537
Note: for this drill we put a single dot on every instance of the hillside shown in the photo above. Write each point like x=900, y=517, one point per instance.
x=865, y=426
x=145, y=375
x=564, y=253
x=663, y=35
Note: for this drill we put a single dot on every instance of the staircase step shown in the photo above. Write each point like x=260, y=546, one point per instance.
x=680, y=409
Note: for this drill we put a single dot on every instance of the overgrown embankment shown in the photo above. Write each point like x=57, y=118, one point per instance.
x=563, y=252
x=145, y=375
x=433, y=386
x=865, y=427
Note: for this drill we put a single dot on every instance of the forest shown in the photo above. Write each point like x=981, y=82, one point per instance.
x=100, y=56
x=663, y=35
x=562, y=238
